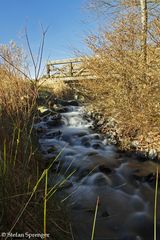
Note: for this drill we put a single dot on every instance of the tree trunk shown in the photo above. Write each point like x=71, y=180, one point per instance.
x=144, y=21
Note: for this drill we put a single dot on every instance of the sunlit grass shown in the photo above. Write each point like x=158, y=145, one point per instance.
x=23, y=181
x=94, y=220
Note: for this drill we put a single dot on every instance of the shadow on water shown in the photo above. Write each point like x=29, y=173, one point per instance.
x=124, y=182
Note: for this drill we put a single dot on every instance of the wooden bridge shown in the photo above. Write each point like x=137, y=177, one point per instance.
x=68, y=70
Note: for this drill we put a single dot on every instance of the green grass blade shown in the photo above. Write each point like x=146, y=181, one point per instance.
x=22, y=211
x=71, y=194
x=4, y=158
x=12, y=143
x=59, y=184
x=56, y=157
x=34, y=189
x=17, y=145
x=94, y=220
x=45, y=205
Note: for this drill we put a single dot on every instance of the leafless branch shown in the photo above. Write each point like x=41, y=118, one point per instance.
x=11, y=64
x=30, y=51
x=44, y=32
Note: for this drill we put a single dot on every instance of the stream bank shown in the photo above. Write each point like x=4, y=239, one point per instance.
x=89, y=167
x=144, y=148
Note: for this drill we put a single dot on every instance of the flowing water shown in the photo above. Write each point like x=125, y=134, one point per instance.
x=89, y=168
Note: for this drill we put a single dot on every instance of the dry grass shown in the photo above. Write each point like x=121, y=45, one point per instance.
x=19, y=158
x=17, y=108
x=125, y=88
x=58, y=88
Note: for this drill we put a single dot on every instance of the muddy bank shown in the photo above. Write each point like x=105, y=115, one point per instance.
x=89, y=167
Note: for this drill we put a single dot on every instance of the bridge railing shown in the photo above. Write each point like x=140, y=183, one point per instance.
x=67, y=69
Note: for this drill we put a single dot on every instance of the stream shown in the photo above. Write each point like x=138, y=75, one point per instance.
x=87, y=169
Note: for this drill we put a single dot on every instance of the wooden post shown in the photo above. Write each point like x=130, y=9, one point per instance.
x=71, y=69
x=48, y=70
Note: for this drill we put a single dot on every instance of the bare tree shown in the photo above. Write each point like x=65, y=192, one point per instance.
x=144, y=21
x=147, y=10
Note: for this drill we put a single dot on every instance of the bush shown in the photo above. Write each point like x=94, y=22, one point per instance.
x=126, y=88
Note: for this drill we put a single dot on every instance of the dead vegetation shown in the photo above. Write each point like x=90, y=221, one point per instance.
x=21, y=194
x=127, y=88
x=58, y=88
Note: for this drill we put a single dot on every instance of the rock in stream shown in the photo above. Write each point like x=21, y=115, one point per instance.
x=88, y=169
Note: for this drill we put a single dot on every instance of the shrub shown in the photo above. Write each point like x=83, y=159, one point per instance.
x=126, y=88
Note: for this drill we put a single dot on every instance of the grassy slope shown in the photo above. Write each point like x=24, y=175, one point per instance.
x=22, y=179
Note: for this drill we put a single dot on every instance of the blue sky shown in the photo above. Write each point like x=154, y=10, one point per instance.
x=68, y=24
